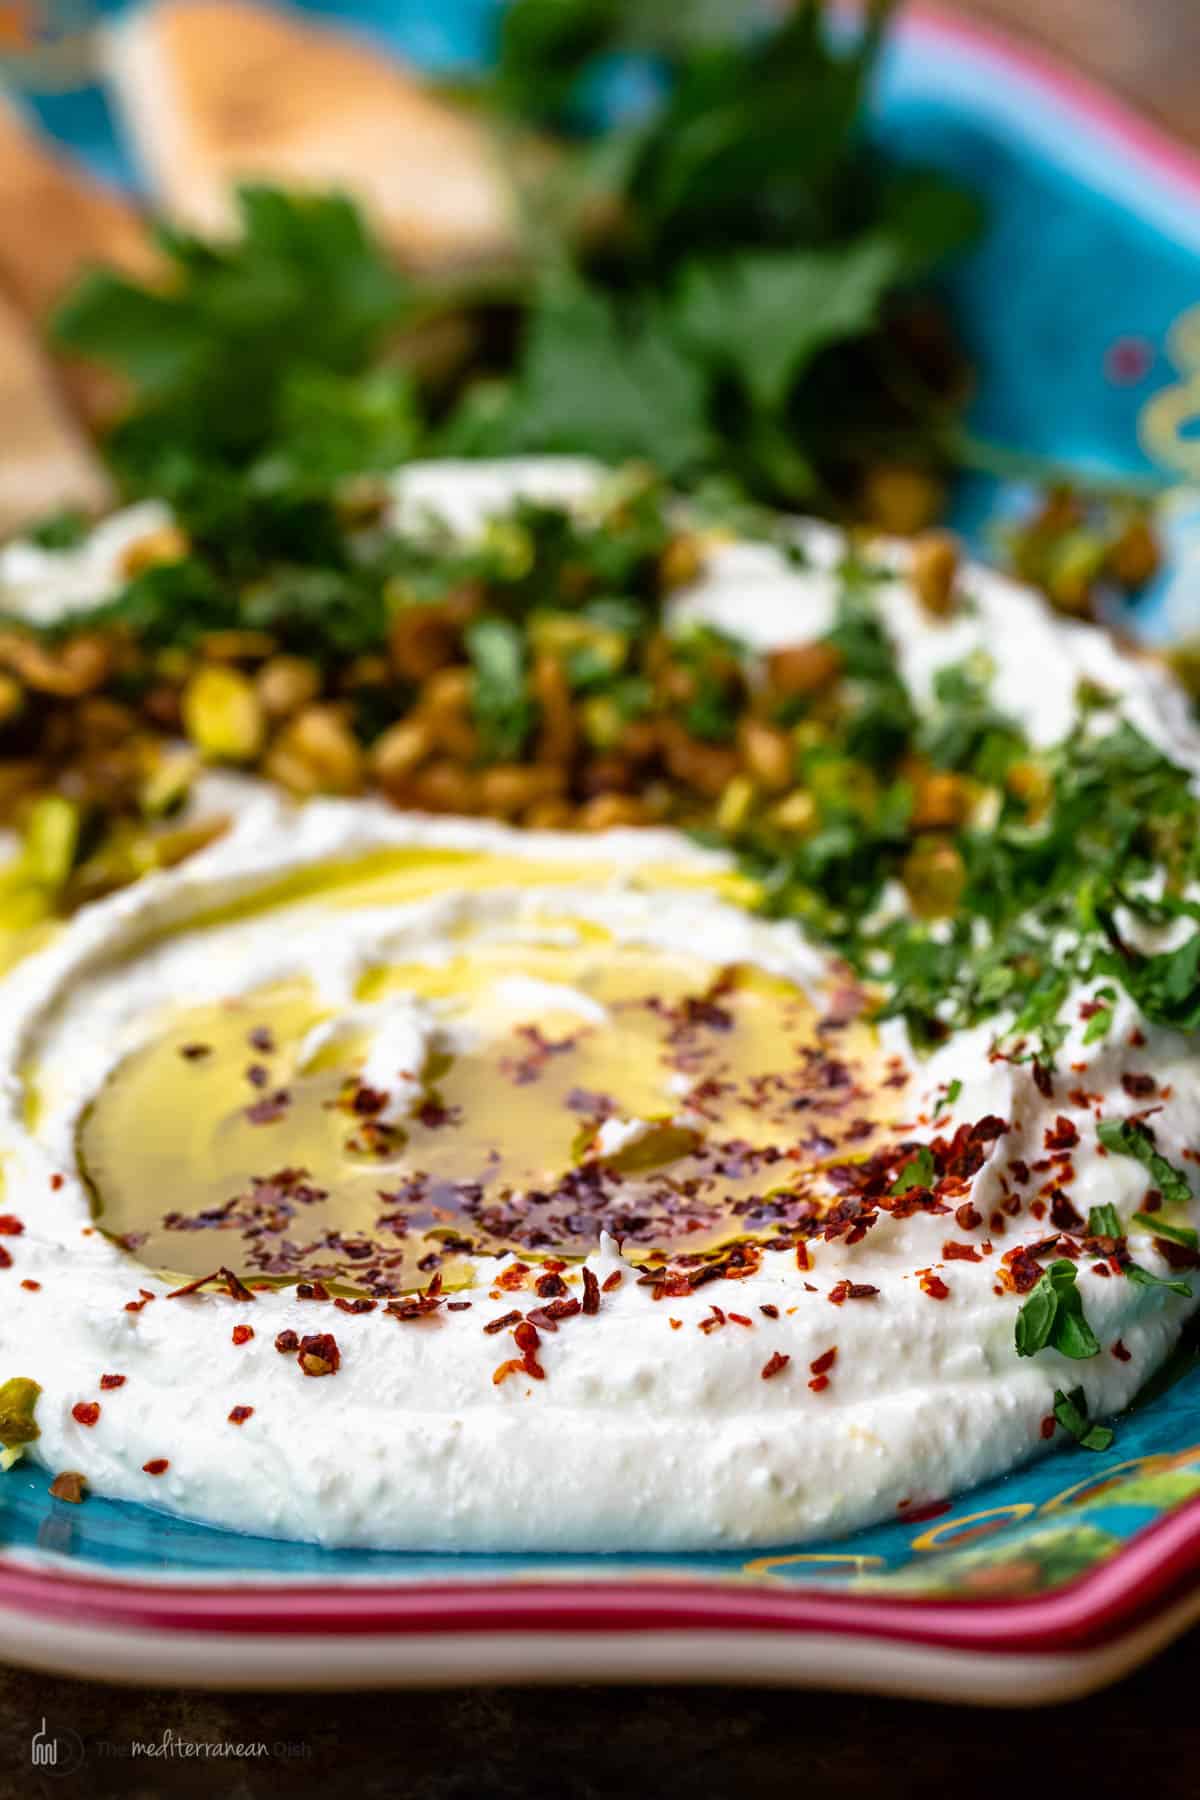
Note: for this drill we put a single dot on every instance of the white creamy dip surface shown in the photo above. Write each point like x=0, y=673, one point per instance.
x=647, y=1431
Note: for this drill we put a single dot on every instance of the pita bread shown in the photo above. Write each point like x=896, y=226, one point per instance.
x=54, y=222
x=217, y=91
x=47, y=461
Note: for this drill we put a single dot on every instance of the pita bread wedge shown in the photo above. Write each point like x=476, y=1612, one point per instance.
x=47, y=462
x=55, y=222
x=217, y=91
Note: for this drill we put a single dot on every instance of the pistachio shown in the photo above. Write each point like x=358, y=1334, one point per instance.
x=900, y=499
x=733, y=808
x=801, y=670
x=165, y=544
x=605, y=812
x=399, y=750
x=18, y=1400
x=1134, y=555
x=942, y=802
x=767, y=754
x=320, y=742
x=51, y=841
x=286, y=683
x=222, y=714
x=934, y=570
x=682, y=560
x=506, y=789
x=934, y=876
x=237, y=646
x=795, y=813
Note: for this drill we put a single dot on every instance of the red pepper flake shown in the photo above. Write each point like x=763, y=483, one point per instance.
x=311, y=1290
x=525, y=1336
x=966, y=1218
x=451, y=1306
x=242, y=1334
x=56, y=1182
x=612, y=1281
x=112, y=1381
x=286, y=1342
x=675, y=1324
x=1139, y=1087
x=740, y=1319
x=319, y=1354
x=953, y=1252
x=550, y=1287
x=502, y=1323
x=240, y=1414
x=769, y=1311
x=34, y=1287
x=1048, y=1426
x=1062, y=1135
x=70, y=1486
x=357, y=1307
x=1042, y=1080
x=10, y=1225
x=714, y=1321
x=819, y=1383
x=591, y=1293
x=158, y=1465
x=775, y=1364
x=852, y=1290
x=135, y=1306
x=824, y=1362
x=234, y=1287
x=802, y=1260
x=85, y=1412
x=934, y=1286
x=5, y=1258
x=1120, y=1352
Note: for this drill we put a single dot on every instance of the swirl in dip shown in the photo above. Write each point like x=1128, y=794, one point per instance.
x=386, y=1181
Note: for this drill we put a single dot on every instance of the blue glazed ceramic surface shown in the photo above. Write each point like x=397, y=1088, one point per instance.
x=1082, y=311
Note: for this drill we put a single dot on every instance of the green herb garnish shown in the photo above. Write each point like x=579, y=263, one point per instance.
x=1125, y=1137
x=916, y=1174
x=1103, y=1221
x=1143, y=1278
x=1071, y=1412
x=1052, y=1317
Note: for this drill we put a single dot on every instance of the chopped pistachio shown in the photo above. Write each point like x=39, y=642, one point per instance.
x=222, y=714
x=18, y=1401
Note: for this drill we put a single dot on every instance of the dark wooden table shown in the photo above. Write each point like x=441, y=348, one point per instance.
x=579, y=1742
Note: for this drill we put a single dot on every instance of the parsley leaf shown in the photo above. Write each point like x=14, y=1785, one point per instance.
x=1143, y=1278
x=1071, y=1412
x=503, y=711
x=788, y=305
x=615, y=386
x=916, y=1174
x=1052, y=1317
x=1125, y=1137
x=1175, y=1234
x=1103, y=1221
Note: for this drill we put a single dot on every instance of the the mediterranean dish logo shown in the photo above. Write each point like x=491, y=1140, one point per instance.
x=55, y=1751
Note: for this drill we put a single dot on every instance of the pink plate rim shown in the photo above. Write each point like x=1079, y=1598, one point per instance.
x=1062, y=87
x=1154, y=1571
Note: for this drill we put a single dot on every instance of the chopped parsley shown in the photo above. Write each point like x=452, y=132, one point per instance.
x=1071, y=1412
x=1103, y=1221
x=916, y=1174
x=1175, y=1234
x=1127, y=1137
x=1052, y=1317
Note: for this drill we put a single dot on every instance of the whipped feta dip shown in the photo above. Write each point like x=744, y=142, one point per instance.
x=855, y=1361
